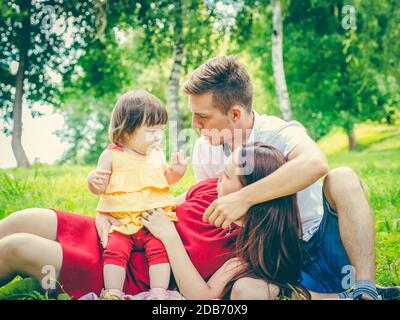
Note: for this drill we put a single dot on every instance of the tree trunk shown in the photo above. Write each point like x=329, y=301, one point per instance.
x=277, y=61
x=388, y=118
x=18, y=150
x=351, y=136
x=174, y=79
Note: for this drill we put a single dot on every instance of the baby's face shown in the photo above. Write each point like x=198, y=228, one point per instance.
x=145, y=138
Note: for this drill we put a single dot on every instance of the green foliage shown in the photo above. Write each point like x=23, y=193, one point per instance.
x=132, y=52
x=378, y=165
x=88, y=105
x=162, y=22
x=43, y=39
x=62, y=187
x=28, y=289
x=63, y=296
x=335, y=76
x=47, y=187
x=22, y=289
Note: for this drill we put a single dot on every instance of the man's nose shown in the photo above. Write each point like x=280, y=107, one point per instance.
x=219, y=174
x=195, y=124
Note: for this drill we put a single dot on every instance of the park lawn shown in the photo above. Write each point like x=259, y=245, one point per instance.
x=377, y=161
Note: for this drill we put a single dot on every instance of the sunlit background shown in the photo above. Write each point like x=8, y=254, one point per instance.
x=38, y=139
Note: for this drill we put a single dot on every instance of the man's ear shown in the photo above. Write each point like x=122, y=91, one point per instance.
x=235, y=113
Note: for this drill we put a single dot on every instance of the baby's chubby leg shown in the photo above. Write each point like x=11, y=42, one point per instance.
x=116, y=257
x=114, y=277
x=159, y=275
x=159, y=267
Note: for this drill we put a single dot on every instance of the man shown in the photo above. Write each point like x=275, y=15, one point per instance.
x=338, y=226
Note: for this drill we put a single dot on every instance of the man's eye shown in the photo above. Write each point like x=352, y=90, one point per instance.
x=201, y=116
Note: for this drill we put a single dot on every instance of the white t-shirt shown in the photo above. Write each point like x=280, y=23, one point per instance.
x=208, y=159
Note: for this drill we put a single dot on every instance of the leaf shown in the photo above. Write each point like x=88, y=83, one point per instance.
x=19, y=288
x=63, y=296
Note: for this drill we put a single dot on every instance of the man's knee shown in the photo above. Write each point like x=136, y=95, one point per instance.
x=251, y=289
x=343, y=174
x=341, y=185
x=343, y=180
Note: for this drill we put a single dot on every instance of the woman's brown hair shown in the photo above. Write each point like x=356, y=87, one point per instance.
x=269, y=243
x=132, y=110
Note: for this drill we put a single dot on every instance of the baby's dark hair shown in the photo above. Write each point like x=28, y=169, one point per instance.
x=134, y=109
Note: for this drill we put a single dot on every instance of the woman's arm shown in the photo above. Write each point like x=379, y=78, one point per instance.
x=190, y=282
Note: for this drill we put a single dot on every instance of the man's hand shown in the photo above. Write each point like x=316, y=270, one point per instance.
x=227, y=209
x=98, y=180
x=103, y=225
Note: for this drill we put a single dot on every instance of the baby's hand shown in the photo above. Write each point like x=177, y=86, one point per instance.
x=179, y=163
x=99, y=179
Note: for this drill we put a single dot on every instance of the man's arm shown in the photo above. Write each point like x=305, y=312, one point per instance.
x=306, y=165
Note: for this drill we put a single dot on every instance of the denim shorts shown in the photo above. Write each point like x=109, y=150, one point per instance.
x=324, y=256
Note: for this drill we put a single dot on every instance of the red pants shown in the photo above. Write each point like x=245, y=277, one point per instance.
x=119, y=248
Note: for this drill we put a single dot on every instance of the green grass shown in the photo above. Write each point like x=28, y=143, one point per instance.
x=62, y=187
x=377, y=161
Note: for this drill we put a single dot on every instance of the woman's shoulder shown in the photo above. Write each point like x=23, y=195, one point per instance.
x=208, y=186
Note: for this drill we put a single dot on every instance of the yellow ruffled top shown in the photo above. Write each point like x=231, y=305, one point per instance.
x=136, y=184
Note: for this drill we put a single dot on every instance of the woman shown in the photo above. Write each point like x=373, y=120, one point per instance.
x=268, y=245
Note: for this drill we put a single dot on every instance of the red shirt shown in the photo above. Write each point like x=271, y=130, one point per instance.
x=209, y=247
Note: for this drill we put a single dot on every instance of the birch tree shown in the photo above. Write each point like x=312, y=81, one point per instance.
x=31, y=40
x=277, y=61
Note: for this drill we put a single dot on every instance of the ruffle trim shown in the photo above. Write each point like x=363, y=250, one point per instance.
x=137, y=180
x=135, y=201
x=132, y=221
